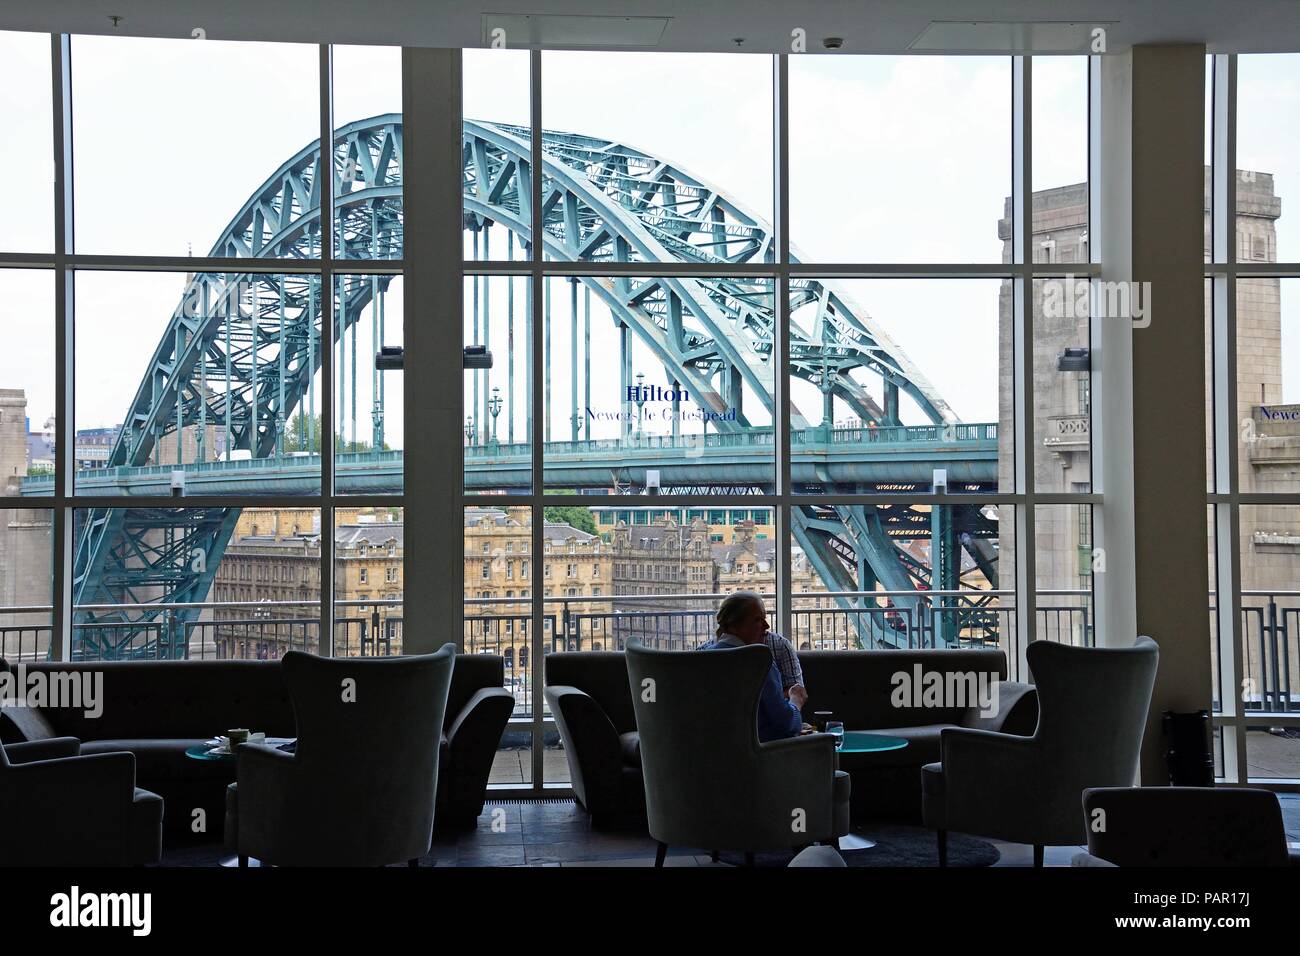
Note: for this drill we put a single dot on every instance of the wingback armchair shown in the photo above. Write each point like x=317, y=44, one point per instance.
x=1093, y=705
x=709, y=783
x=58, y=808
x=1184, y=826
x=360, y=788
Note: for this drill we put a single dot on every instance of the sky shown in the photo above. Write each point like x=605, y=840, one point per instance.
x=892, y=158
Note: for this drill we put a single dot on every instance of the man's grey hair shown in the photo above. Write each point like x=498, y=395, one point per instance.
x=733, y=606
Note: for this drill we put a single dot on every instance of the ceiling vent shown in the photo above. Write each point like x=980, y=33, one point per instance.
x=1004, y=36
x=559, y=31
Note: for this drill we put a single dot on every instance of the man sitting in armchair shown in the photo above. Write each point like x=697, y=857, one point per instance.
x=742, y=620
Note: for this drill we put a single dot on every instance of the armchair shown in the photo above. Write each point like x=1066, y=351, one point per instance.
x=708, y=781
x=1185, y=826
x=1093, y=706
x=62, y=809
x=360, y=789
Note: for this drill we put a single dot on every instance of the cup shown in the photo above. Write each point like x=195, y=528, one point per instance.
x=820, y=719
x=237, y=737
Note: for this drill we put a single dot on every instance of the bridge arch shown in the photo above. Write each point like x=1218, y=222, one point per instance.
x=243, y=349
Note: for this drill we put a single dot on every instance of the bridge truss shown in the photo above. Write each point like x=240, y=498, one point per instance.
x=240, y=353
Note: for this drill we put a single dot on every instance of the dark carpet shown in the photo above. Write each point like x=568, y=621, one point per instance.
x=896, y=845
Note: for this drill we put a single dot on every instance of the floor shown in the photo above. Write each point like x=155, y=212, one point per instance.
x=559, y=833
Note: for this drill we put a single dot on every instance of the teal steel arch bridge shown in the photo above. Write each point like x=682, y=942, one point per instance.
x=240, y=353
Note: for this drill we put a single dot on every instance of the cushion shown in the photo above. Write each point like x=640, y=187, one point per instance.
x=629, y=745
x=146, y=828
x=934, y=793
x=230, y=834
x=164, y=759
x=19, y=724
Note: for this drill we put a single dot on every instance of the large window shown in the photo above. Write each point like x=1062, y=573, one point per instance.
x=787, y=337
x=167, y=385
x=814, y=331
x=1253, y=386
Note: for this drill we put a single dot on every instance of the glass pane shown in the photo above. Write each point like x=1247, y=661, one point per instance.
x=498, y=398
x=687, y=179
x=1273, y=752
x=27, y=387
x=1062, y=382
x=899, y=158
x=1209, y=156
x=1209, y=386
x=216, y=184
x=28, y=117
x=26, y=583
x=496, y=149
x=368, y=581
x=1268, y=384
x=1065, y=562
x=241, y=351
x=368, y=152
x=652, y=574
x=879, y=561
x=658, y=383
x=369, y=411
x=499, y=579
x=195, y=583
x=1268, y=88
x=1218, y=690
x=1270, y=607
x=893, y=380
x=1060, y=159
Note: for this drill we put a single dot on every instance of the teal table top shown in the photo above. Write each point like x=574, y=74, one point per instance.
x=861, y=742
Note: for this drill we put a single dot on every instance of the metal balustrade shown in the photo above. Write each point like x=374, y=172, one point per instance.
x=1270, y=631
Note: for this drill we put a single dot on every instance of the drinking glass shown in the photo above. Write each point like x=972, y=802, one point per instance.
x=836, y=729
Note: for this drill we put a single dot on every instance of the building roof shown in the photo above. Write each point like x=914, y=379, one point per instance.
x=374, y=535
x=763, y=549
x=562, y=531
x=38, y=449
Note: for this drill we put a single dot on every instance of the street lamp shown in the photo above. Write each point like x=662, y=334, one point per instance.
x=827, y=386
x=469, y=429
x=494, y=406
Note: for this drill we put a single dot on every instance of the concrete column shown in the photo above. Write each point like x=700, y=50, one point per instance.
x=432, y=329
x=1153, y=180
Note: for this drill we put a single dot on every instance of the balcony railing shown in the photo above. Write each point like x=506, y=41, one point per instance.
x=1270, y=628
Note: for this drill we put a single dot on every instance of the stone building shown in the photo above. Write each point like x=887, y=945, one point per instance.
x=274, y=556
x=1268, y=446
x=26, y=542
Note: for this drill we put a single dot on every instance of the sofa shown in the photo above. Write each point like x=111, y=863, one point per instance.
x=590, y=697
x=157, y=709
x=861, y=689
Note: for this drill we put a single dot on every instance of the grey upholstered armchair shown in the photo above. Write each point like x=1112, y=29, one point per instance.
x=58, y=808
x=360, y=788
x=1184, y=826
x=709, y=783
x=1093, y=706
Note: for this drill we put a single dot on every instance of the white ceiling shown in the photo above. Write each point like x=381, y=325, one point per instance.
x=867, y=26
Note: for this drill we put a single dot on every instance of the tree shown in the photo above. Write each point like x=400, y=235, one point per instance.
x=579, y=518
x=294, y=433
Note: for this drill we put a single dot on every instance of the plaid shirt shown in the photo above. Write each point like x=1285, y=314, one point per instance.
x=787, y=661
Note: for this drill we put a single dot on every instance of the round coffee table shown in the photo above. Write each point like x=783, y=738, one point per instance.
x=204, y=752
x=864, y=742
